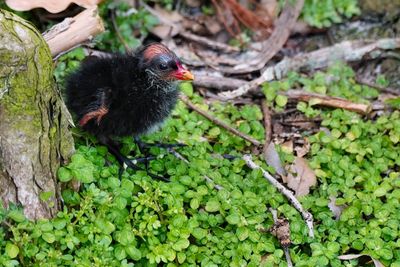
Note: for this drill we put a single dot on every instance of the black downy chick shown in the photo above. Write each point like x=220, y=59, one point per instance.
x=125, y=95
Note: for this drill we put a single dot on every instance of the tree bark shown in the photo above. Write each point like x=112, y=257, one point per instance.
x=34, y=134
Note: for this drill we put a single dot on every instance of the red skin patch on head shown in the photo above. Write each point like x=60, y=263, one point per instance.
x=155, y=49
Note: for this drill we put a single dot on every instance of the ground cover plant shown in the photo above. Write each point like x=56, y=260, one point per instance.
x=215, y=211
x=113, y=222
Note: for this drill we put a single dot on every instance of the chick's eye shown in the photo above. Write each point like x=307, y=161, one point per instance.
x=163, y=66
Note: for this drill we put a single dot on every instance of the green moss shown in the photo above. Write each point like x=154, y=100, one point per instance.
x=31, y=109
x=20, y=43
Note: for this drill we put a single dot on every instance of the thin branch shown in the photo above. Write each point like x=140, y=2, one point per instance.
x=288, y=258
x=208, y=42
x=274, y=213
x=329, y=101
x=292, y=199
x=348, y=51
x=220, y=83
x=118, y=32
x=383, y=89
x=219, y=122
x=74, y=31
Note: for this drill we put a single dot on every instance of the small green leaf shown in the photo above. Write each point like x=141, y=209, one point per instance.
x=45, y=196
x=49, y=237
x=187, y=88
x=269, y=92
x=134, y=253
x=12, y=250
x=113, y=182
x=380, y=192
x=244, y=127
x=120, y=202
x=105, y=226
x=281, y=100
x=302, y=106
x=59, y=223
x=233, y=219
x=181, y=244
x=199, y=233
x=46, y=227
x=16, y=216
x=85, y=175
x=212, y=205
x=393, y=102
x=40, y=256
x=181, y=257
x=215, y=131
x=385, y=253
x=64, y=174
x=120, y=253
x=68, y=257
x=126, y=237
x=194, y=203
x=242, y=233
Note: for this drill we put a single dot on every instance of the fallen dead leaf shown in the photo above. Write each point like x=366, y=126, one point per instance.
x=355, y=256
x=301, y=151
x=53, y=6
x=213, y=26
x=300, y=177
x=272, y=158
x=170, y=23
x=336, y=210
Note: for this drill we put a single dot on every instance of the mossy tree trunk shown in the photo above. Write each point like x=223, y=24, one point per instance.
x=34, y=135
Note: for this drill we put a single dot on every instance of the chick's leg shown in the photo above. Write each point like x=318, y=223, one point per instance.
x=144, y=149
x=113, y=148
x=145, y=146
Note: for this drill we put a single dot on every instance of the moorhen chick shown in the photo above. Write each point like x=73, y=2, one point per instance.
x=126, y=94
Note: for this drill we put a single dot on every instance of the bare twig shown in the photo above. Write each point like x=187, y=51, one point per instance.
x=383, y=89
x=181, y=157
x=220, y=83
x=269, y=152
x=208, y=42
x=177, y=155
x=219, y=122
x=74, y=31
x=274, y=213
x=355, y=256
x=346, y=51
x=292, y=199
x=328, y=101
x=288, y=258
x=279, y=36
x=118, y=32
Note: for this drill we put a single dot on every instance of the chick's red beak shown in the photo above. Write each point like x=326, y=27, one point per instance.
x=183, y=74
